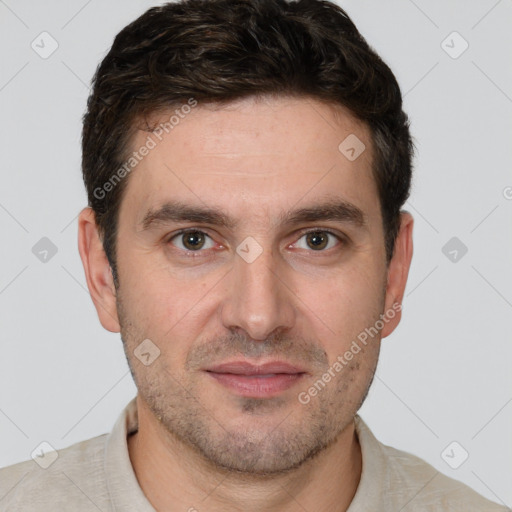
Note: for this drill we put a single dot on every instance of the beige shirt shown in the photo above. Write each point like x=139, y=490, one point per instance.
x=96, y=475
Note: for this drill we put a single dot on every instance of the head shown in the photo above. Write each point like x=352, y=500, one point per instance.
x=274, y=135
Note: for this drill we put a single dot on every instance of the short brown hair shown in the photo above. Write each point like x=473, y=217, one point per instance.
x=224, y=50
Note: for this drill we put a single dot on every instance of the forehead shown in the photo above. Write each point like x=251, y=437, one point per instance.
x=253, y=156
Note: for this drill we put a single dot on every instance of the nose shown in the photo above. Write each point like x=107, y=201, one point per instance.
x=257, y=298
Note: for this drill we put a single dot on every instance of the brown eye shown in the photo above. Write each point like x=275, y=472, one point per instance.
x=192, y=240
x=317, y=240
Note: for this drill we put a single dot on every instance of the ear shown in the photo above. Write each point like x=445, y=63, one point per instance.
x=398, y=270
x=97, y=270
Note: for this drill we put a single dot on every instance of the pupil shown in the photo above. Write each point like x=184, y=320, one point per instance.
x=317, y=240
x=193, y=240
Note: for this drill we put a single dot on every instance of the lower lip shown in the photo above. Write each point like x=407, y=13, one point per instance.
x=257, y=386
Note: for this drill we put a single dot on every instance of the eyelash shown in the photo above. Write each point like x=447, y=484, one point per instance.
x=184, y=232
x=341, y=239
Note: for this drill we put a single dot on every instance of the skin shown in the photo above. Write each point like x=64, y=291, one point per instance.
x=255, y=161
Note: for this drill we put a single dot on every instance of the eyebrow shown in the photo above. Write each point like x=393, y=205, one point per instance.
x=175, y=211
x=336, y=211
x=332, y=210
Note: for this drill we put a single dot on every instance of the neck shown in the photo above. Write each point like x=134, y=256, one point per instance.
x=174, y=477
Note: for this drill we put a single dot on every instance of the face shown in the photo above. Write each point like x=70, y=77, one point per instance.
x=250, y=252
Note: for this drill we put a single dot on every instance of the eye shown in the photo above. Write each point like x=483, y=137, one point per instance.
x=317, y=240
x=192, y=240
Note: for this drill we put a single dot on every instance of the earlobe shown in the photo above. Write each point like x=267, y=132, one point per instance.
x=398, y=271
x=97, y=270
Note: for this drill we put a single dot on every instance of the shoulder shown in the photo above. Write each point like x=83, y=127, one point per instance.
x=411, y=483
x=75, y=478
x=434, y=489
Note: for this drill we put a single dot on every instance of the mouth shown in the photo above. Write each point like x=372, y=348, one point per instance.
x=257, y=381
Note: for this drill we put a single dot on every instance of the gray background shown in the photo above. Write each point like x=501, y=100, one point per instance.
x=444, y=375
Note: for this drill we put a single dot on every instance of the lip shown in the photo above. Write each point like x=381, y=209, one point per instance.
x=247, y=368
x=256, y=381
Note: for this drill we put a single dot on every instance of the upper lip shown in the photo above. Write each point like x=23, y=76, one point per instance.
x=246, y=368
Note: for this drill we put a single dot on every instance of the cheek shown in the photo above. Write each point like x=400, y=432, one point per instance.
x=164, y=306
x=346, y=304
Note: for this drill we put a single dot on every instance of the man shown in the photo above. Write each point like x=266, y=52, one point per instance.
x=246, y=164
